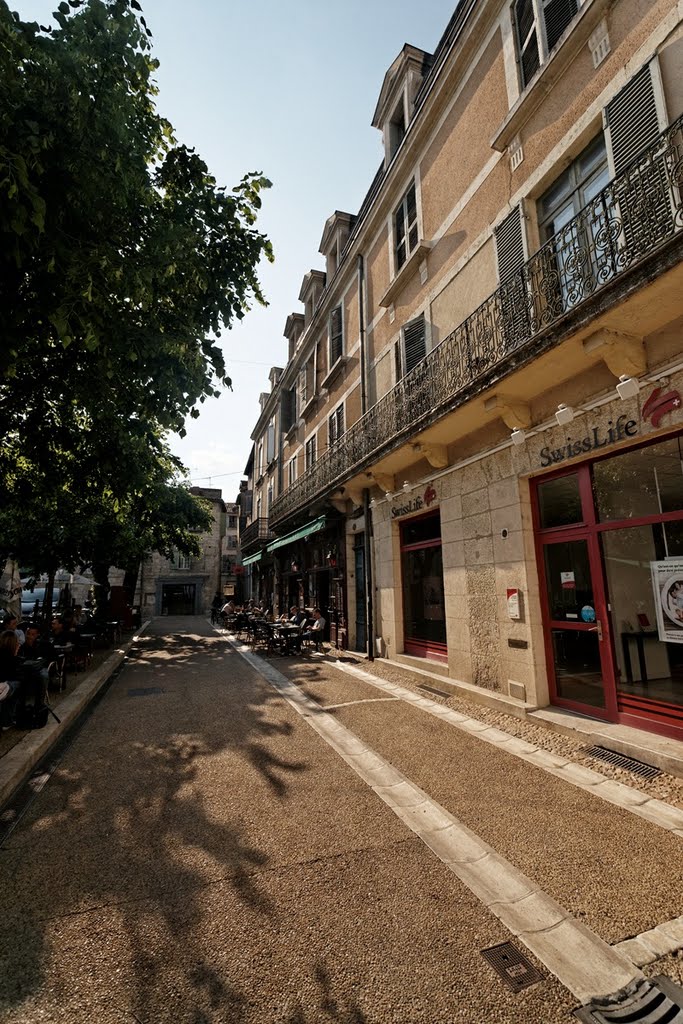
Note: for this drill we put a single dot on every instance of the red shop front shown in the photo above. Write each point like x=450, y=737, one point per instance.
x=609, y=542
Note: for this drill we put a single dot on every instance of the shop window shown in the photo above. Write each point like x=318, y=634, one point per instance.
x=559, y=502
x=642, y=482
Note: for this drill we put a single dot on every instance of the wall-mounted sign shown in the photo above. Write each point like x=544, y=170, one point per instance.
x=659, y=404
x=415, y=504
x=596, y=438
x=514, y=610
x=568, y=581
x=667, y=583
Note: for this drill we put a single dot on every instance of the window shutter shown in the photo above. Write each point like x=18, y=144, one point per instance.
x=332, y=430
x=336, y=335
x=631, y=118
x=527, y=40
x=414, y=342
x=509, y=238
x=558, y=14
x=287, y=410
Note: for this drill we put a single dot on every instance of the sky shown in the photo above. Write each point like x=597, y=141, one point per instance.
x=288, y=89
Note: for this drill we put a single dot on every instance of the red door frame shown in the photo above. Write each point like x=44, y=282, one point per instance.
x=429, y=649
x=657, y=716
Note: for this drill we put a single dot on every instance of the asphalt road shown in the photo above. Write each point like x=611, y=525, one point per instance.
x=202, y=855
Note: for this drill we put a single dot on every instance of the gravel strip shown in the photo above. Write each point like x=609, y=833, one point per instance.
x=664, y=787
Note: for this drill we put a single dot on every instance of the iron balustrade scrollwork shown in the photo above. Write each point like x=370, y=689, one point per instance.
x=257, y=532
x=636, y=213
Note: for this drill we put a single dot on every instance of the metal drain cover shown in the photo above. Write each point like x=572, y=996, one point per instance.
x=645, y=771
x=513, y=967
x=433, y=689
x=646, y=1001
x=145, y=691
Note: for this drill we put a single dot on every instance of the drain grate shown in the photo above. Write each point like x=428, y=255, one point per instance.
x=645, y=771
x=433, y=689
x=655, y=1001
x=516, y=971
x=145, y=691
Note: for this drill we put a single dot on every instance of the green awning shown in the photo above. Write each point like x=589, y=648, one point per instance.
x=250, y=559
x=305, y=531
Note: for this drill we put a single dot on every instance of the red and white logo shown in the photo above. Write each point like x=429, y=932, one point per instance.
x=429, y=496
x=659, y=405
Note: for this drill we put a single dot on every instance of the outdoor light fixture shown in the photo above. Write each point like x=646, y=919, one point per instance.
x=388, y=495
x=518, y=436
x=627, y=387
x=373, y=503
x=564, y=414
x=407, y=486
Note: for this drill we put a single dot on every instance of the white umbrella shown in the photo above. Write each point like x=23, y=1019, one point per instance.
x=10, y=587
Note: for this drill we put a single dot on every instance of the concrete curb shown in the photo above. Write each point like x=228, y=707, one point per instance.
x=19, y=762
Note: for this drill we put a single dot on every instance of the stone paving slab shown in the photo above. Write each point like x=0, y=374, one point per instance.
x=600, y=862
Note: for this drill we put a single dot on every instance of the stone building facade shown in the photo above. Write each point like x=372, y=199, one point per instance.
x=491, y=356
x=184, y=585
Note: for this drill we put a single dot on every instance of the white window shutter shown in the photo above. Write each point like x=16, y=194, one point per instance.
x=632, y=120
x=509, y=237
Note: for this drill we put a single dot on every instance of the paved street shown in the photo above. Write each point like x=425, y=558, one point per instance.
x=209, y=851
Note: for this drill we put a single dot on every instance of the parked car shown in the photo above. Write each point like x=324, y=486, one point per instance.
x=29, y=598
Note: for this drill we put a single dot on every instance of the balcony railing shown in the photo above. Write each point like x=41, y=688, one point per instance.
x=633, y=216
x=256, y=534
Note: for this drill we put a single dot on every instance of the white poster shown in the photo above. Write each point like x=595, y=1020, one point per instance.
x=667, y=583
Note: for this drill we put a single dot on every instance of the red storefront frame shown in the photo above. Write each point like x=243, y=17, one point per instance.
x=432, y=650
x=639, y=712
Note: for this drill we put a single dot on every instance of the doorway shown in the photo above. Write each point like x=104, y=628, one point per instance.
x=178, y=599
x=609, y=539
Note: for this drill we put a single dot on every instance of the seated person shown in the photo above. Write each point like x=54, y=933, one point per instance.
x=228, y=608
x=297, y=616
x=316, y=629
x=10, y=676
x=80, y=617
x=37, y=649
x=12, y=622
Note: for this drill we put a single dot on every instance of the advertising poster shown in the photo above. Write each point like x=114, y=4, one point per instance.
x=667, y=584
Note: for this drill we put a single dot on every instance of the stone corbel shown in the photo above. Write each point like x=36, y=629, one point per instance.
x=624, y=354
x=355, y=495
x=435, y=454
x=385, y=481
x=339, y=504
x=514, y=413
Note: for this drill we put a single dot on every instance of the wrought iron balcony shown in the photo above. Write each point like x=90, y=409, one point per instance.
x=633, y=217
x=255, y=535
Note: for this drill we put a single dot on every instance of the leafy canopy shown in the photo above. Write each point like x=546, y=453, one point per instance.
x=121, y=262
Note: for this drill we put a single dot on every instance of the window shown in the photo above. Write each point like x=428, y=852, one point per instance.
x=405, y=228
x=539, y=25
x=270, y=441
x=287, y=410
x=305, y=385
x=258, y=507
x=310, y=452
x=269, y=497
x=336, y=336
x=575, y=239
x=335, y=425
x=180, y=561
x=397, y=129
x=291, y=471
x=259, y=461
x=412, y=347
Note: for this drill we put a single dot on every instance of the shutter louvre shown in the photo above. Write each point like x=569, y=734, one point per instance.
x=336, y=335
x=632, y=119
x=509, y=236
x=414, y=342
x=558, y=14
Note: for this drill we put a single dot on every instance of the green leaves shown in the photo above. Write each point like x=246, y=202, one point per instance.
x=121, y=259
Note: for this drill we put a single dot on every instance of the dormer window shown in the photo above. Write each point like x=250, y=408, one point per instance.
x=397, y=128
x=405, y=228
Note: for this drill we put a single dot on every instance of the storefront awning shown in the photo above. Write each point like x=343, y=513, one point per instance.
x=305, y=531
x=250, y=559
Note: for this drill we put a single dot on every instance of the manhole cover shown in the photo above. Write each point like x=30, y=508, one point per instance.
x=433, y=689
x=655, y=1001
x=513, y=967
x=646, y=771
x=145, y=691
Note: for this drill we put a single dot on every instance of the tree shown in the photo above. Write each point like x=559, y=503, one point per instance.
x=121, y=261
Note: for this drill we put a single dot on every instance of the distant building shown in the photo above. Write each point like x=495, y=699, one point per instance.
x=183, y=585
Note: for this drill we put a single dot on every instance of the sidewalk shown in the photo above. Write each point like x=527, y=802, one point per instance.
x=21, y=751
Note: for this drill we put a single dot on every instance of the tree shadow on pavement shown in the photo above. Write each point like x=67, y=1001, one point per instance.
x=117, y=857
